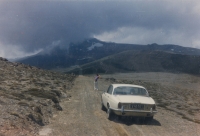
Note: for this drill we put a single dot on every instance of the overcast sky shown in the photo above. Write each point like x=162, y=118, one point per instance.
x=27, y=27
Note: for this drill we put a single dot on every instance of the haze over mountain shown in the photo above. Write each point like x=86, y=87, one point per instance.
x=151, y=57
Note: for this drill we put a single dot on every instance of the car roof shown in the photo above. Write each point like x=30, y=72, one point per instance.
x=130, y=85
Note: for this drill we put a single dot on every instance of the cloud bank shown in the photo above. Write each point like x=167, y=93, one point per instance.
x=27, y=27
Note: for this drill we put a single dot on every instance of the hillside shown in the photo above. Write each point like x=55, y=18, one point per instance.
x=29, y=97
x=91, y=50
x=143, y=61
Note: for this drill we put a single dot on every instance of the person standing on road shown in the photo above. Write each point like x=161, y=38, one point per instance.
x=96, y=81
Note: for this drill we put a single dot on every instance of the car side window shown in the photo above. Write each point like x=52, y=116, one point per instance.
x=109, y=91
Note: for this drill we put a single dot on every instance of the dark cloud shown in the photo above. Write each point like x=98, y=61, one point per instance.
x=34, y=25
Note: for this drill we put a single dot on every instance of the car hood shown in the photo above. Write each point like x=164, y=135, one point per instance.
x=135, y=99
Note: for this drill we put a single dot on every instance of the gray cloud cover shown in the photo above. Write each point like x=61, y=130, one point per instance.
x=27, y=27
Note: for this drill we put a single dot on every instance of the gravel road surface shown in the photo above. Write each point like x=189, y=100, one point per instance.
x=82, y=116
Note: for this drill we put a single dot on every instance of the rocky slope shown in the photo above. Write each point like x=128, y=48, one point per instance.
x=29, y=97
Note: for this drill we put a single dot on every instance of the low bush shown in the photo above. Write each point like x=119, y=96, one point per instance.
x=44, y=94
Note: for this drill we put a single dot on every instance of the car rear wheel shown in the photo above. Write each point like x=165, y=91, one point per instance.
x=119, y=117
x=149, y=118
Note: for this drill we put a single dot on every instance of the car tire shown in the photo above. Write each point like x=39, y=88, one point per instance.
x=149, y=118
x=109, y=113
x=103, y=108
x=119, y=117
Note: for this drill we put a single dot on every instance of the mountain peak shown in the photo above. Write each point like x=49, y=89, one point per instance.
x=93, y=40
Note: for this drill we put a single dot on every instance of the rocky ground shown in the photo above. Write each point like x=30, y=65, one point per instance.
x=29, y=97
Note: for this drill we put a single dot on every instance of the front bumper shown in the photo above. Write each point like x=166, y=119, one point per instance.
x=137, y=113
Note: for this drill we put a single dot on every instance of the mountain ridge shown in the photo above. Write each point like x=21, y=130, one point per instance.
x=91, y=50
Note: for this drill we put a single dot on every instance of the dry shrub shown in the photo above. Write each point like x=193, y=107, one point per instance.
x=23, y=103
x=44, y=94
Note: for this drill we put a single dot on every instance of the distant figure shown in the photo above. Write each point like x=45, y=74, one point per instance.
x=96, y=82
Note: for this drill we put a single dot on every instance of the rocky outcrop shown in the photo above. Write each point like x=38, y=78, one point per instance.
x=3, y=59
x=29, y=97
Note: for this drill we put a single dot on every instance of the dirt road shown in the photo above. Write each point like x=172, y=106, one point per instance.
x=82, y=116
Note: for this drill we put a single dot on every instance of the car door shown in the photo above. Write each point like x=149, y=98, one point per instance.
x=107, y=95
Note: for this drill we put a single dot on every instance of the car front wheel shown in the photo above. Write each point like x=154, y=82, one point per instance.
x=109, y=113
x=103, y=107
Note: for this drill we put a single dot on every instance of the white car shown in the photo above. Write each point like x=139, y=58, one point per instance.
x=128, y=100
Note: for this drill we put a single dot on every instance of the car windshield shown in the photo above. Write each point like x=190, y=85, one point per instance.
x=130, y=91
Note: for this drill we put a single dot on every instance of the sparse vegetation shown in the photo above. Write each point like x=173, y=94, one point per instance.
x=29, y=95
x=15, y=114
x=23, y=104
x=53, y=95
